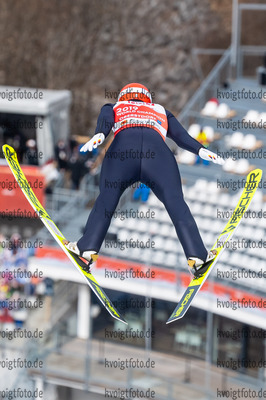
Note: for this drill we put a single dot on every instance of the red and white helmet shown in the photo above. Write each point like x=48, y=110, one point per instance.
x=135, y=91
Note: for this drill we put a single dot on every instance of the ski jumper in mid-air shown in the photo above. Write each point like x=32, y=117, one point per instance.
x=140, y=127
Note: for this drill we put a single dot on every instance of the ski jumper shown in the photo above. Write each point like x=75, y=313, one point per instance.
x=139, y=153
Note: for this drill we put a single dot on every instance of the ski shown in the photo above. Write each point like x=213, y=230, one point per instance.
x=195, y=285
x=24, y=185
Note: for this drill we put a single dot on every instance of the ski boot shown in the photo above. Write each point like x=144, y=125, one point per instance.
x=88, y=257
x=198, y=267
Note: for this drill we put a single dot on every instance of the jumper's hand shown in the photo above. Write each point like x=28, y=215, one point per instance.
x=206, y=154
x=94, y=142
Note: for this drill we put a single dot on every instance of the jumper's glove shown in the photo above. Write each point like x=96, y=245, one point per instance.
x=206, y=154
x=94, y=142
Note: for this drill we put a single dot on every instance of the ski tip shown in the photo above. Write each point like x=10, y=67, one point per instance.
x=256, y=170
x=258, y=175
x=8, y=151
x=6, y=146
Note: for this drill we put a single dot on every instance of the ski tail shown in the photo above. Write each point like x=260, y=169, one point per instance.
x=24, y=185
x=11, y=157
x=251, y=185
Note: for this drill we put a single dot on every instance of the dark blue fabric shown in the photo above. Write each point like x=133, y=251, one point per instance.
x=159, y=171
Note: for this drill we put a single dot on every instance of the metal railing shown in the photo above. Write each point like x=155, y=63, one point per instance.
x=208, y=88
x=91, y=372
x=238, y=50
x=246, y=52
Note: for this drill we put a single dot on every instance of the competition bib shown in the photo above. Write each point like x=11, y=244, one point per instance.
x=129, y=114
